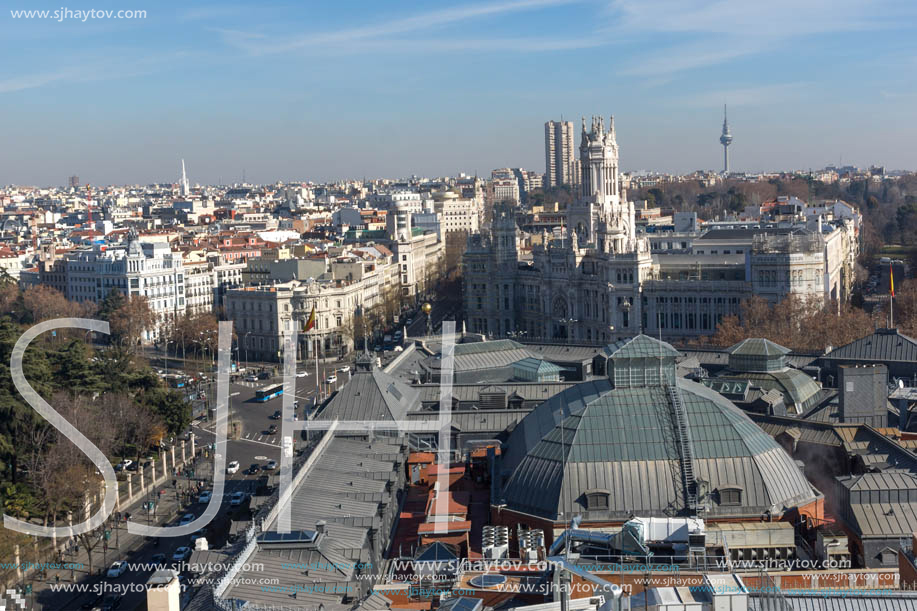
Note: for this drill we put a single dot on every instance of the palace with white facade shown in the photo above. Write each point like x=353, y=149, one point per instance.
x=596, y=279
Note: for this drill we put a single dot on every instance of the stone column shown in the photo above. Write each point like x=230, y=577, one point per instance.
x=173, y=456
x=142, y=484
x=183, y=459
x=192, y=446
x=130, y=488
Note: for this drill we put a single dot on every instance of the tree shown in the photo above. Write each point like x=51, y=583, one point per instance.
x=113, y=302
x=129, y=321
x=46, y=303
x=171, y=407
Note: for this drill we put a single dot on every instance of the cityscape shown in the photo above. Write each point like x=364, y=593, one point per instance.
x=362, y=376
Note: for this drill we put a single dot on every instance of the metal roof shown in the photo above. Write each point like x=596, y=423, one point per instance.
x=757, y=346
x=616, y=439
x=641, y=346
x=371, y=395
x=882, y=345
x=851, y=600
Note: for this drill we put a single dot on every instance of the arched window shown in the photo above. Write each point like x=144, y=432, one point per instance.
x=730, y=495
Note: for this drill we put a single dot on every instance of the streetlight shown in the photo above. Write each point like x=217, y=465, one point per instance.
x=427, y=308
x=245, y=343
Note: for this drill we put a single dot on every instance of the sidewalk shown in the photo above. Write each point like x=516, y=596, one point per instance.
x=167, y=509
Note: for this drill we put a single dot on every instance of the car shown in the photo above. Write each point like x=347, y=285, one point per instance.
x=205, y=496
x=377, y=349
x=95, y=603
x=331, y=379
x=116, y=569
x=111, y=602
x=264, y=375
x=186, y=519
x=236, y=499
x=233, y=467
x=254, y=468
x=199, y=533
x=181, y=554
x=252, y=377
x=344, y=369
x=272, y=430
x=302, y=374
x=398, y=348
x=133, y=466
x=271, y=465
x=158, y=559
x=276, y=415
x=409, y=321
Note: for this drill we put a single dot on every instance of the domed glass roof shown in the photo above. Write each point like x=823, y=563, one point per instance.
x=596, y=437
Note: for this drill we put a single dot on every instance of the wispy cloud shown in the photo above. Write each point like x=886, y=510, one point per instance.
x=31, y=81
x=84, y=72
x=393, y=28
x=698, y=34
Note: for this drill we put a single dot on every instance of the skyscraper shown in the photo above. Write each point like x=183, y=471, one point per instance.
x=559, y=154
x=74, y=181
x=725, y=140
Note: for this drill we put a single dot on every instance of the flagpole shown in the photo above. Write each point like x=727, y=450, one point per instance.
x=891, y=298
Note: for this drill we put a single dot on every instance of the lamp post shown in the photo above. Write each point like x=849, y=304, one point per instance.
x=427, y=308
x=245, y=343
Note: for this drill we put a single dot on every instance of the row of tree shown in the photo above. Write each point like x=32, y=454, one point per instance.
x=104, y=388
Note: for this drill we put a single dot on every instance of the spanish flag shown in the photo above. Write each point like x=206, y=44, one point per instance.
x=311, y=322
x=891, y=278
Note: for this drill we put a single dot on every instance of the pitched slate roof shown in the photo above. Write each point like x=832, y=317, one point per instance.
x=371, y=395
x=882, y=345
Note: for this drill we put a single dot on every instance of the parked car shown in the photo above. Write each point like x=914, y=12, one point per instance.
x=133, y=466
x=233, y=467
x=331, y=379
x=271, y=465
x=186, y=519
x=276, y=415
x=205, y=496
x=409, y=321
x=264, y=375
x=236, y=499
x=254, y=468
x=158, y=559
x=302, y=374
x=251, y=377
x=197, y=535
x=181, y=554
x=344, y=369
x=272, y=430
x=116, y=569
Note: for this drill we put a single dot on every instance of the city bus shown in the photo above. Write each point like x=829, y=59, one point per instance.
x=269, y=392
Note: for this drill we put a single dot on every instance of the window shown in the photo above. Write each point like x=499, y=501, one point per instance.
x=730, y=496
x=596, y=499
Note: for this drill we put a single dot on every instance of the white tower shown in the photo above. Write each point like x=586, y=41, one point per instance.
x=612, y=216
x=725, y=140
x=185, y=189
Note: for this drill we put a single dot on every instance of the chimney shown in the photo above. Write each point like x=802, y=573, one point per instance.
x=320, y=526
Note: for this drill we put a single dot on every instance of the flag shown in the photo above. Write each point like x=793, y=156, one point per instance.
x=891, y=278
x=311, y=322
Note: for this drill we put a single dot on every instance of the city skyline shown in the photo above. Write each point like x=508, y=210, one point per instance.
x=316, y=93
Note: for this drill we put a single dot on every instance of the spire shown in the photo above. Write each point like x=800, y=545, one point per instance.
x=725, y=140
x=185, y=189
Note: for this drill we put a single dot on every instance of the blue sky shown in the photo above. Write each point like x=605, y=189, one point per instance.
x=328, y=90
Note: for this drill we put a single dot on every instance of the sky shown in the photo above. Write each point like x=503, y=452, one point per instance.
x=329, y=90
